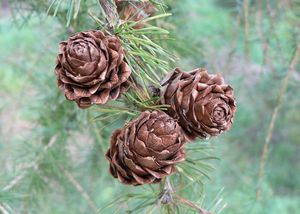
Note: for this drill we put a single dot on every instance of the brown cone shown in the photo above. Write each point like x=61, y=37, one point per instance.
x=203, y=104
x=135, y=11
x=91, y=68
x=146, y=149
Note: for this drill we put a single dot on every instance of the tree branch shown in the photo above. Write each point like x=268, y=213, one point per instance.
x=3, y=209
x=191, y=204
x=167, y=198
x=265, y=150
x=31, y=165
x=111, y=14
x=272, y=19
x=247, y=36
x=260, y=30
x=167, y=191
x=80, y=189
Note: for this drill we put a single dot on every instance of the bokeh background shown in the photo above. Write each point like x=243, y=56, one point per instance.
x=250, y=44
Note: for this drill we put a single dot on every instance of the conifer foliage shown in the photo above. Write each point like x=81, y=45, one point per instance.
x=118, y=67
x=92, y=69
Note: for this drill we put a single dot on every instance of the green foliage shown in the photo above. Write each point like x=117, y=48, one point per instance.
x=34, y=114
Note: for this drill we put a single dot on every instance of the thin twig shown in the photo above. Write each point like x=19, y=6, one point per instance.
x=265, y=150
x=80, y=189
x=272, y=19
x=3, y=209
x=33, y=164
x=167, y=197
x=167, y=191
x=247, y=36
x=191, y=204
x=233, y=42
x=260, y=29
x=111, y=14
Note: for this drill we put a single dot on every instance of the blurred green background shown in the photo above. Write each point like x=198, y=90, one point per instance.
x=208, y=33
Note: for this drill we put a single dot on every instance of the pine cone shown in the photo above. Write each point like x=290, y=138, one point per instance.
x=146, y=149
x=203, y=104
x=135, y=11
x=91, y=68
